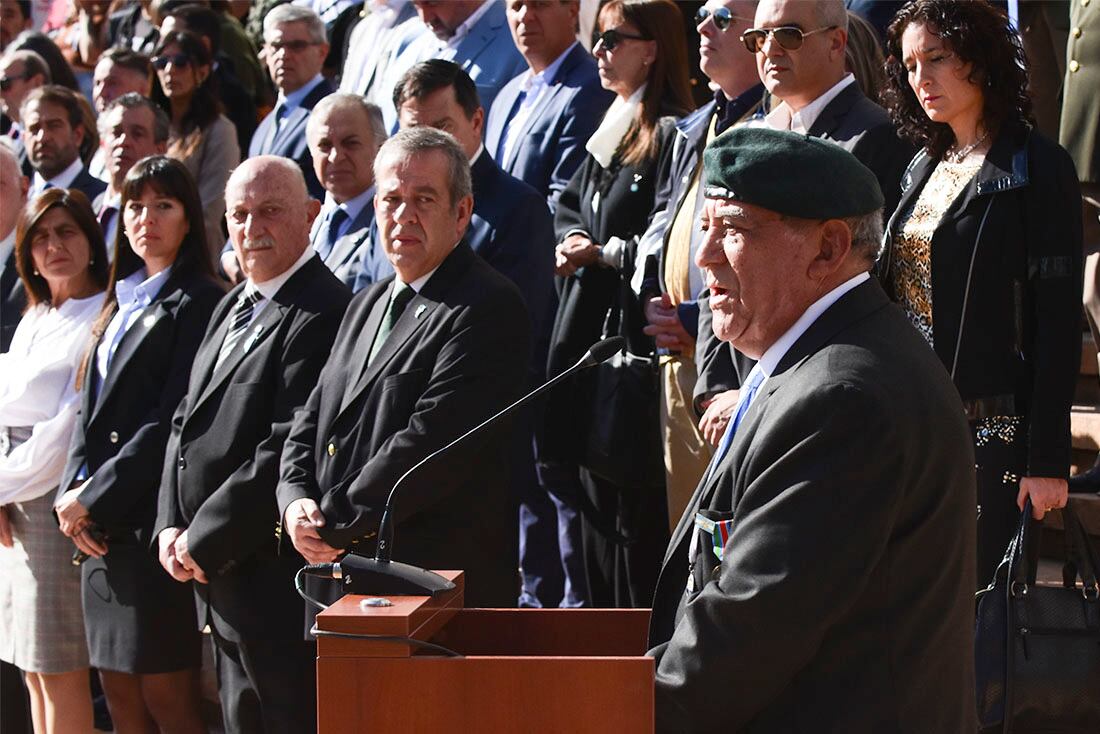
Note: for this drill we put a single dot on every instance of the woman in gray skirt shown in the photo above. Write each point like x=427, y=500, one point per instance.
x=62, y=261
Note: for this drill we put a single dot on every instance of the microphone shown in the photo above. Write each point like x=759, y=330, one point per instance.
x=380, y=575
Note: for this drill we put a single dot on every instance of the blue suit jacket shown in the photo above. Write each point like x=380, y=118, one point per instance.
x=550, y=147
x=511, y=229
x=345, y=258
x=88, y=185
x=487, y=53
x=291, y=140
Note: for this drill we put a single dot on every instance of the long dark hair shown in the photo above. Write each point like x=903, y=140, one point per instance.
x=980, y=35
x=76, y=204
x=205, y=105
x=669, y=90
x=170, y=178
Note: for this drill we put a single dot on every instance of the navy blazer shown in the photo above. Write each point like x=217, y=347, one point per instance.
x=12, y=301
x=550, y=147
x=345, y=259
x=291, y=140
x=510, y=229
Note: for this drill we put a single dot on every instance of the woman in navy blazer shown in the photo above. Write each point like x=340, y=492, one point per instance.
x=140, y=623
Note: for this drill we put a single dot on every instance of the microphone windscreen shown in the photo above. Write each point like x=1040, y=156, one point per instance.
x=603, y=350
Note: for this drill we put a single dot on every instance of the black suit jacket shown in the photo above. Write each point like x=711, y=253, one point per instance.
x=88, y=185
x=222, y=462
x=843, y=601
x=13, y=300
x=291, y=140
x=457, y=355
x=123, y=424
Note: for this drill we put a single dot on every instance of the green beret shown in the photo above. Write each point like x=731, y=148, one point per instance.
x=788, y=173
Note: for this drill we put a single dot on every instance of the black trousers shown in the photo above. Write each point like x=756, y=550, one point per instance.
x=1000, y=450
x=267, y=686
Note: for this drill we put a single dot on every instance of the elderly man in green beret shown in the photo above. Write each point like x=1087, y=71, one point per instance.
x=821, y=578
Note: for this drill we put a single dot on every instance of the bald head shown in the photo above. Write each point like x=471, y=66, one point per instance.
x=269, y=213
x=13, y=190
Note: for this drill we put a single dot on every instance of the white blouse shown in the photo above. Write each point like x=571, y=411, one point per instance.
x=37, y=389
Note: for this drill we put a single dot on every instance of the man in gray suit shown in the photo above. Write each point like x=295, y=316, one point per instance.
x=344, y=134
x=820, y=577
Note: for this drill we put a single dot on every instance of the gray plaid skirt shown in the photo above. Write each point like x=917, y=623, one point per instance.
x=41, y=619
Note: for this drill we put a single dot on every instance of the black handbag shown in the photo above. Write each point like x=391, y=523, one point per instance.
x=624, y=439
x=1037, y=648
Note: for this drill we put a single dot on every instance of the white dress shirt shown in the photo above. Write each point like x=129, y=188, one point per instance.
x=782, y=118
x=269, y=288
x=370, y=42
x=134, y=293
x=62, y=180
x=447, y=48
x=37, y=390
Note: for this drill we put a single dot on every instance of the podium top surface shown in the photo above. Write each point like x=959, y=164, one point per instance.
x=405, y=617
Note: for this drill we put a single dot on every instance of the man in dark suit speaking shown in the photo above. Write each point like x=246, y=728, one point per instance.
x=261, y=356
x=820, y=579
x=419, y=359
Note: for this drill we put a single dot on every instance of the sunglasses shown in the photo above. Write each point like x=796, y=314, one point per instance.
x=722, y=17
x=292, y=46
x=162, y=62
x=612, y=38
x=788, y=37
x=7, y=81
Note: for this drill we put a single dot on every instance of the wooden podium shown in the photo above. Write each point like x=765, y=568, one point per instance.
x=523, y=670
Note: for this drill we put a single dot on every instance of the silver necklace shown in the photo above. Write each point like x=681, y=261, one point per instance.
x=960, y=155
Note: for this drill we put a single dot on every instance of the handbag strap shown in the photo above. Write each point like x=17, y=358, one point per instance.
x=1081, y=556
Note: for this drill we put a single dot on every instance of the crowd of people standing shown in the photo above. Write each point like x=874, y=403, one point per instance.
x=259, y=259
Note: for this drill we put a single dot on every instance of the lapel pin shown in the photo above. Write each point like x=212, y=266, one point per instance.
x=420, y=310
x=149, y=320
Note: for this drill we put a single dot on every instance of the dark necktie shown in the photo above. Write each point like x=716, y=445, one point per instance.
x=241, y=318
x=402, y=294
x=335, y=223
x=281, y=112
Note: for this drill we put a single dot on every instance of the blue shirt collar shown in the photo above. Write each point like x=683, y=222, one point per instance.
x=139, y=289
x=294, y=100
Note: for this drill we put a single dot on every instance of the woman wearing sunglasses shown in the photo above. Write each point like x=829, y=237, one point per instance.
x=200, y=136
x=984, y=251
x=642, y=58
x=62, y=263
x=140, y=623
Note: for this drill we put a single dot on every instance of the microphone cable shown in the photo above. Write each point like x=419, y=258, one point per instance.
x=325, y=570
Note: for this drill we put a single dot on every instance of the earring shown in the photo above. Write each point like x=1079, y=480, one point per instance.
x=36, y=271
x=91, y=262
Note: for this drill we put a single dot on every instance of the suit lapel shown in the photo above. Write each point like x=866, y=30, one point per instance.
x=290, y=128
x=554, y=88
x=207, y=355
x=834, y=112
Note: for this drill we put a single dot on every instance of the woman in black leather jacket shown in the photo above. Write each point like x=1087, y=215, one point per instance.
x=984, y=252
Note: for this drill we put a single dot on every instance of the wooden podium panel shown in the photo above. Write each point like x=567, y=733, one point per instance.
x=523, y=670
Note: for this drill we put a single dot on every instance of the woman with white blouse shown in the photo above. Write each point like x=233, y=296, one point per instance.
x=62, y=260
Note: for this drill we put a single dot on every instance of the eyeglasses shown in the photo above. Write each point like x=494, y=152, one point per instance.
x=612, y=38
x=162, y=62
x=722, y=17
x=788, y=37
x=7, y=81
x=293, y=46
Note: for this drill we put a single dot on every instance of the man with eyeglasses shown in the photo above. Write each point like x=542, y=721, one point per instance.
x=294, y=51
x=673, y=293
x=798, y=48
x=21, y=72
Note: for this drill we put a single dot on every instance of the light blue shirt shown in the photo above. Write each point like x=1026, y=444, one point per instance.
x=534, y=90
x=293, y=101
x=134, y=293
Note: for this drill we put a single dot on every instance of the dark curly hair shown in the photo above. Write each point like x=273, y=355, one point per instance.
x=979, y=34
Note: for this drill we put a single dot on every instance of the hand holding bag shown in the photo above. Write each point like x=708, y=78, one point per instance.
x=1037, y=648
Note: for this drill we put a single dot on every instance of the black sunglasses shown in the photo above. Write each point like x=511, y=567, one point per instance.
x=7, y=81
x=788, y=37
x=162, y=62
x=722, y=17
x=612, y=38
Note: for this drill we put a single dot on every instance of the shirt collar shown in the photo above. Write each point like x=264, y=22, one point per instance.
x=775, y=353
x=62, y=180
x=548, y=74
x=353, y=206
x=463, y=30
x=269, y=288
x=293, y=101
x=418, y=284
x=477, y=156
x=7, y=246
x=139, y=289
x=730, y=111
x=783, y=118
